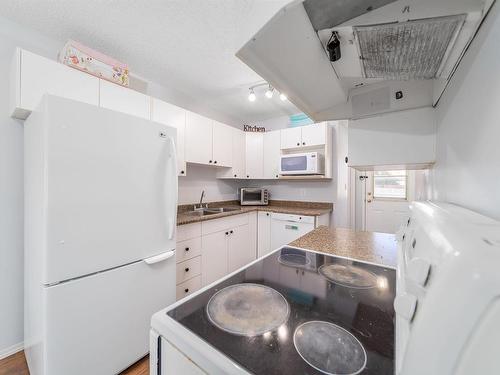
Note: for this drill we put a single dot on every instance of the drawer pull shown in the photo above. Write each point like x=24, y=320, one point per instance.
x=187, y=249
x=186, y=269
x=231, y=231
x=186, y=290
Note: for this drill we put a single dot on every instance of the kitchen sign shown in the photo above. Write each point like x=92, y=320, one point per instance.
x=254, y=128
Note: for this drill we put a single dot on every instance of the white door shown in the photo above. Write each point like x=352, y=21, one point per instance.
x=172, y=115
x=264, y=233
x=123, y=99
x=239, y=147
x=110, y=187
x=222, y=144
x=174, y=362
x=314, y=135
x=291, y=138
x=100, y=324
x=387, y=212
x=254, y=155
x=214, y=256
x=272, y=154
x=240, y=250
x=198, y=139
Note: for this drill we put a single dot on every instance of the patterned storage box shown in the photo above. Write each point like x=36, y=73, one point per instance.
x=81, y=57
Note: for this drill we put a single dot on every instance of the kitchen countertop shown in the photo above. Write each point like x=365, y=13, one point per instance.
x=379, y=248
x=285, y=207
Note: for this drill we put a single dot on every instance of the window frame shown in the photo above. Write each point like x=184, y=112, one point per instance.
x=404, y=173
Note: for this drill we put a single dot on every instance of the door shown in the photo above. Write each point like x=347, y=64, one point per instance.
x=123, y=99
x=264, y=233
x=110, y=187
x=240, y=250
x=174, y=362
x=214, y=256
x=239, y=146
x=198, y=139
x=254, y=155
x=105, y=318
x=314, y=135
x=272, y=154
x=172, y=115
x=387, y=200
x=222, y=145
x=291, y=138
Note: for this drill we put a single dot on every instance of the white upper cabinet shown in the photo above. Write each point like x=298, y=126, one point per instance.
x=291, y=138
x=238, y=165
x=254, y=155
x=123, y=99
x=314, y=135
x=172, y=115
x=222, y=144
x=32, y=76
x=271, y=146
x=198, y=139
x=304, y=136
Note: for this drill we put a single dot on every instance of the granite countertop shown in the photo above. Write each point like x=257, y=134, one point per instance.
x=286, y=207
x=379, y=248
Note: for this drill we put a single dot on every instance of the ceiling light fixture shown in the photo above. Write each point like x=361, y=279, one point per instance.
x=269, y=92
x=252, y=97
x=283, y=97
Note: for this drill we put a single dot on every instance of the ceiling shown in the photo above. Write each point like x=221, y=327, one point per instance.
x=189, y=45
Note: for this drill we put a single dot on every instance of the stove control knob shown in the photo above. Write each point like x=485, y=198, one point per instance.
x=405, y=305
x=418, y=271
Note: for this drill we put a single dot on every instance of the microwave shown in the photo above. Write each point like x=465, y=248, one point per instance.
x=254, y=197
x=302, y=163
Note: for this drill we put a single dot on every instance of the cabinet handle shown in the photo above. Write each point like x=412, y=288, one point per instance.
x=303, y=143
x=187, y=249
x=231, y=231
x=210, y=161
x=298, y=143
x=182, y=172
x=277, y=176
x=248, y=176
x=297, y=271
x=227, y=233
x=186, y=269
x=215, y=161
x=267, y=214
x=186, y=290
x=235, y=176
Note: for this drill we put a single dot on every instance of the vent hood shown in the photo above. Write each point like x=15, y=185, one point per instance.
x=395, y=55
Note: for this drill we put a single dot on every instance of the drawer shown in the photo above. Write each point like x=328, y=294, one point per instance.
x=188, y=249
x=188, y=269
x=187, y=287
x=188, y=231
x=217, y=225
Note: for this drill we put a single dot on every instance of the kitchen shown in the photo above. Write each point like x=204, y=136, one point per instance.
x=349, y=148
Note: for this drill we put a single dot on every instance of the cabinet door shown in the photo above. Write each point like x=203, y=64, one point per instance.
x=272, y=154
x=198, y=139
x=174, y=362
x=264, y=233
x=34, y=75
x=240, y=250
x=172, y=115
x=238, y=170
x=314, y=135
x=123, y=99
x=213, y=256
x=254, y=155
x=291, y=138
x=222, y=144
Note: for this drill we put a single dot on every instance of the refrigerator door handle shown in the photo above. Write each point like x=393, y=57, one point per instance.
x=171, y=181
x=160, y=257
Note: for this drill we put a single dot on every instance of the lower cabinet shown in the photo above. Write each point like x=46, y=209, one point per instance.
x=214, y=258
x=174, y=362
x=263, y=233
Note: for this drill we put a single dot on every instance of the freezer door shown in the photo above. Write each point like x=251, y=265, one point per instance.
x=111, y=189
x=100, y=324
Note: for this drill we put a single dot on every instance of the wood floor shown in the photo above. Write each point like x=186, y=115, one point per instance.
x=16, y=365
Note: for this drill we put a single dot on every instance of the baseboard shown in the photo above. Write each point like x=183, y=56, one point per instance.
x=4, y=353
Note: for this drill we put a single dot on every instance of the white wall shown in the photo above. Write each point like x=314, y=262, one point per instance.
x=467, y=171
x=11, y=177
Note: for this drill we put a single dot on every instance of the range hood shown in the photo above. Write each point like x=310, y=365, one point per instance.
x=394, y=54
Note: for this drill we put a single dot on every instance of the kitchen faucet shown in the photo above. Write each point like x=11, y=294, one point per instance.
x=201, y=202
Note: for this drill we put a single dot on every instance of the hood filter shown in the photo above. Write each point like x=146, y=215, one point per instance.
x=406, y=50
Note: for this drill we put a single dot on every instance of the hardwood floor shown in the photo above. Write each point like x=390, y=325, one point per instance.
x=16, y=365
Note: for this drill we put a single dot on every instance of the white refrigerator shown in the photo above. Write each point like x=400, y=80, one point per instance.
x=100, y=218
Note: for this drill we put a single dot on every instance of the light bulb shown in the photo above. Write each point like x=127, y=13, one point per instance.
x=283, y=97
x=269, y=92
x=251, y=96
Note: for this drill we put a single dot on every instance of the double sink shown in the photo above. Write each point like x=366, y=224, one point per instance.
x=211, y=211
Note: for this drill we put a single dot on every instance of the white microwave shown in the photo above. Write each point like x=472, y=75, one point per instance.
x=302, y=164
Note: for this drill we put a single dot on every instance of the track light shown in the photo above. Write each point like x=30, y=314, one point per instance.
x=251, y=96
x=269, y=92
x=283, y=97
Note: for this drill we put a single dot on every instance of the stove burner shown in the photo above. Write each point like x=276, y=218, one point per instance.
x=294, y=260
x=329, y=348
x=247, y=309
x=349, y=276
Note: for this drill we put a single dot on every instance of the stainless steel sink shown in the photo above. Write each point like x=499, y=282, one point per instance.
x=212, y=211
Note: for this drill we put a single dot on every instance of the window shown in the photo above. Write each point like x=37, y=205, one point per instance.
x=390, y=184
